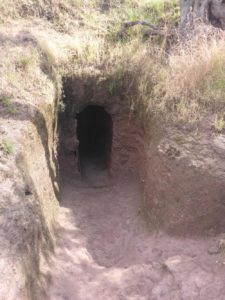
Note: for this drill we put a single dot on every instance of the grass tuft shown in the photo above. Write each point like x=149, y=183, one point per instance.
x=7, y=146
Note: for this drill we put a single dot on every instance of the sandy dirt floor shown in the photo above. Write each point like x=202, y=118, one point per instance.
x=105, y=250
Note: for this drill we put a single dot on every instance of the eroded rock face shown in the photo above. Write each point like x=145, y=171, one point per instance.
x=28, y=205
x=128, y=141
x=28, y=184
x=185, y=181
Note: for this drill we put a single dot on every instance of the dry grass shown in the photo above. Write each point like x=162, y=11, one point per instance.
x=82, y=36
x=183, y=85
x=193, y=81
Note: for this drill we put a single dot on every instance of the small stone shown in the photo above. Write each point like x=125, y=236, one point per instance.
x=221, y=244
x=157, y=252
x=214, y=249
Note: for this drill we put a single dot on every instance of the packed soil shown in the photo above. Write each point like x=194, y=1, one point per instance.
x=105, y=249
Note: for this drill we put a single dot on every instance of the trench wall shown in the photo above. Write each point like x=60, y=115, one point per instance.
x=29, y=189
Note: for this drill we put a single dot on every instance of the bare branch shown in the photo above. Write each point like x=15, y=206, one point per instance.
x=151, y=30
x=138, y=22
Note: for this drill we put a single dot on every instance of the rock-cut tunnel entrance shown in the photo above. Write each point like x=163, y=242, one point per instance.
x=95, y=133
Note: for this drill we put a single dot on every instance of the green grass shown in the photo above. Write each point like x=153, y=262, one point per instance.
x=26, y=62
x=7, y=146
x=8, y=102
x=219, y=123
x=61, y=106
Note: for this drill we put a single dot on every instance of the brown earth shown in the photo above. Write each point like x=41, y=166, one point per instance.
x=184, y=180
x=105, y=250
x=107, y=247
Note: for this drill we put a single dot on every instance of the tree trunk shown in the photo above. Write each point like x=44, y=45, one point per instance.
x=207, y=11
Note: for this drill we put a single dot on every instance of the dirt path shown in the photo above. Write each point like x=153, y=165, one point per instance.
x=105, y=251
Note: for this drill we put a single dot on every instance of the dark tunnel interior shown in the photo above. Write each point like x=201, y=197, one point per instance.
x=94, y=132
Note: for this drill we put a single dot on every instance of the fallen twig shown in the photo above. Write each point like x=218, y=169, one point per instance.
x=151, y=30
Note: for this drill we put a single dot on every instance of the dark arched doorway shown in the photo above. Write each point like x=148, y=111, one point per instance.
x=94, y=132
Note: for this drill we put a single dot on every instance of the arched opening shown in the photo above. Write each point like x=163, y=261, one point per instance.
x=94, y=132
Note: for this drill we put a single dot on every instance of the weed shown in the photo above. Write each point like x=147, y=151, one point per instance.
x=61, y=106
x=111, y=88
x=7, y=146
x=25, y=62
x=7, y=101
x=12, y=78
x=219, y=123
